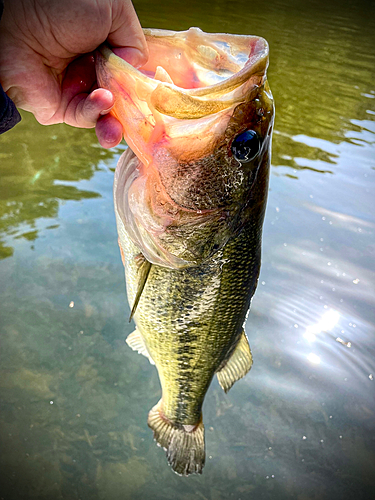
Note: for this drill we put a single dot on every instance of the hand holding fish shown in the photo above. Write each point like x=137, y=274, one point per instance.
x=47, y=64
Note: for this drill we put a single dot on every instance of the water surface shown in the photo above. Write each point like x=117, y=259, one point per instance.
x=74, y=398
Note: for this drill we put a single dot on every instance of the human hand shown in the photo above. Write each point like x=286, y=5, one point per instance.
x=47, y=63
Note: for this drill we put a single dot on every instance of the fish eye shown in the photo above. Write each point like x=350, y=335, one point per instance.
x=246, y=146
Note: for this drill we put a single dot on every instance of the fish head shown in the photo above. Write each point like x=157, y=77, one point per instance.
x=198, y=116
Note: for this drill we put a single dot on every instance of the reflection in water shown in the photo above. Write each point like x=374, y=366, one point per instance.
x=72, y=419
x=37, y=176
x=313, y=358
x=326, y=323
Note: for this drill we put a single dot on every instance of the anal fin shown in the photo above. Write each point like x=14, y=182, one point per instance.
x=184, y=444
x=136, y=342
x=237, y=365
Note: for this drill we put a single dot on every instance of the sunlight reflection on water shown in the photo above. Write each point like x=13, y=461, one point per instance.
x=326, y=323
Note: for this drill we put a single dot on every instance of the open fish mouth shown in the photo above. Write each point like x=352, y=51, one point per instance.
x=189, y=75
x=208, y=64
x=180, y=113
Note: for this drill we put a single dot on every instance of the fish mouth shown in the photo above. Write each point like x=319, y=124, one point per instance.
x=213, y=63
x=190, y=75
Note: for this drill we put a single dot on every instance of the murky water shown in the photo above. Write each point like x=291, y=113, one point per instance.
x=75, y=398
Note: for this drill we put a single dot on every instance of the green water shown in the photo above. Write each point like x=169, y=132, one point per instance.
x=74, y=398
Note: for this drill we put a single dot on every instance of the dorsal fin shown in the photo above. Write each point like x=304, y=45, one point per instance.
x=144, y=267
x=237, y=365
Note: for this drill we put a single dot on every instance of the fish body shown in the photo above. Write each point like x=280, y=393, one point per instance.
x=190, y=196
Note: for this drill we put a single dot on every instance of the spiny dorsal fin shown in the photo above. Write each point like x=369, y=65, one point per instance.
x=144, y=267
x=184, y=444
x=237, y=365
x=136, y=342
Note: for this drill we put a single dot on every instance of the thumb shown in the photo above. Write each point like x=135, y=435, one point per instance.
x=126, y=34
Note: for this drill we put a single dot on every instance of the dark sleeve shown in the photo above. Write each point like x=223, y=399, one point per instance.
x=9, y=116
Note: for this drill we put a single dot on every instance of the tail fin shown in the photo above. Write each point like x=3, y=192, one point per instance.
x=184, y=444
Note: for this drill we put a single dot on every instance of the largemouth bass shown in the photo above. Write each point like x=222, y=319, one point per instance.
x=190, y=196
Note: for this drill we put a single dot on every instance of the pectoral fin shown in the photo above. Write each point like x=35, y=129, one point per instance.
x=144, y=267
x=136, y=342
x=237, y=365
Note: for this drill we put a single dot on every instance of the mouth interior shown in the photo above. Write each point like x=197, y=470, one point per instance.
x=190, y=75
x=196, y=62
